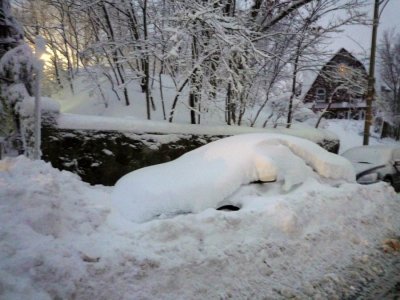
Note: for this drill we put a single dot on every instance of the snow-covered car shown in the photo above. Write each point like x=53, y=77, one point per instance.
x=213, y=175
x=376, y=163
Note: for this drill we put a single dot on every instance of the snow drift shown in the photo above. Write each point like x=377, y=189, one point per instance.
x=317, y=241
x=205, y=177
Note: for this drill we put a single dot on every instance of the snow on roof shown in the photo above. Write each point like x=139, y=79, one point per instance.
x=215, y=171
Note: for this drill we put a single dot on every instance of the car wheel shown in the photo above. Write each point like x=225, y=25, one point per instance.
x=388, y=179
x=228, y=207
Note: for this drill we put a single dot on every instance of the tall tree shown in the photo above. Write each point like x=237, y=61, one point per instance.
x=218, y=55
x=389, y=63
x=371, y=75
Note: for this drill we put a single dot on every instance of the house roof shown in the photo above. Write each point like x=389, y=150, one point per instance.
x=310, y=76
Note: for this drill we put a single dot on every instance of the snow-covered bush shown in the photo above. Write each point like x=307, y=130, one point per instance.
x=17, y=69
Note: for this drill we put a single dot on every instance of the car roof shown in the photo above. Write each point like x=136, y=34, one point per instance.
x=374, y=147
x=373, y=153
x=385, y=146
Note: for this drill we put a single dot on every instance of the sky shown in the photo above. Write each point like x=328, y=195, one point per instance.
x=357, y=38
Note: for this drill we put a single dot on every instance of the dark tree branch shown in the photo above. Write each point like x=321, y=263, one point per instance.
x=292, y=7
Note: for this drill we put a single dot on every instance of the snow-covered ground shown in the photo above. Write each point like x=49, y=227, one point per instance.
x=86, y=100
x=117, y=116
x=350, y=133
x=62, y=238
x=313, y=233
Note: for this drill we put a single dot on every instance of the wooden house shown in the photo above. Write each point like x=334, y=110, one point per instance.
x=340, y=88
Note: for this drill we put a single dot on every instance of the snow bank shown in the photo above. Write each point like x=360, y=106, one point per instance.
x=205, y=177
x=130, y=124
x=46, y=105
x=350, y=133
x=56, y=241
x=39, y=208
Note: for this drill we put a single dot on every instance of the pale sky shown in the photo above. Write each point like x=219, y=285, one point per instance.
x=357, y=38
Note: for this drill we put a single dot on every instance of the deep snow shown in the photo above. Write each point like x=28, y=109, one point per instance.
x=212, y=173
x=59, y=238
x=317, y=238
x=350, y=133
x=86, y=101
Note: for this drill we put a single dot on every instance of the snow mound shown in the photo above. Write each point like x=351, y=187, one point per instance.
x=40, y=206
x=314, y=242
x=205, y=177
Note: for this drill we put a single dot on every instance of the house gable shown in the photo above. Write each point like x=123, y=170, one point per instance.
x=342, y=81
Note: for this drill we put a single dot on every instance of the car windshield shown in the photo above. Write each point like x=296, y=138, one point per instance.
x=369, y=155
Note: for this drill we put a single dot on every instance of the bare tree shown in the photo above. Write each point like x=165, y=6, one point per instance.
x=389, y=59
x=218, y=54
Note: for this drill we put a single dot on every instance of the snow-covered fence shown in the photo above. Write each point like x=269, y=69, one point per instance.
x=101, y=150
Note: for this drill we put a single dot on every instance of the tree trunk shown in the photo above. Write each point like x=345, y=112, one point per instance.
x=172, y=112
x=194, y=86
x=161, y=90
x=146, y=63
x=294, y=82
x=119, y=67
x=228, y=103
x=371, y=75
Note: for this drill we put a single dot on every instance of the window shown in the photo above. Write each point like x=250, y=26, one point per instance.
x=343, y=70
x=321, y=95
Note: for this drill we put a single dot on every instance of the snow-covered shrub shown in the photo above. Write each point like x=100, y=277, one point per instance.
x=17, y=73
